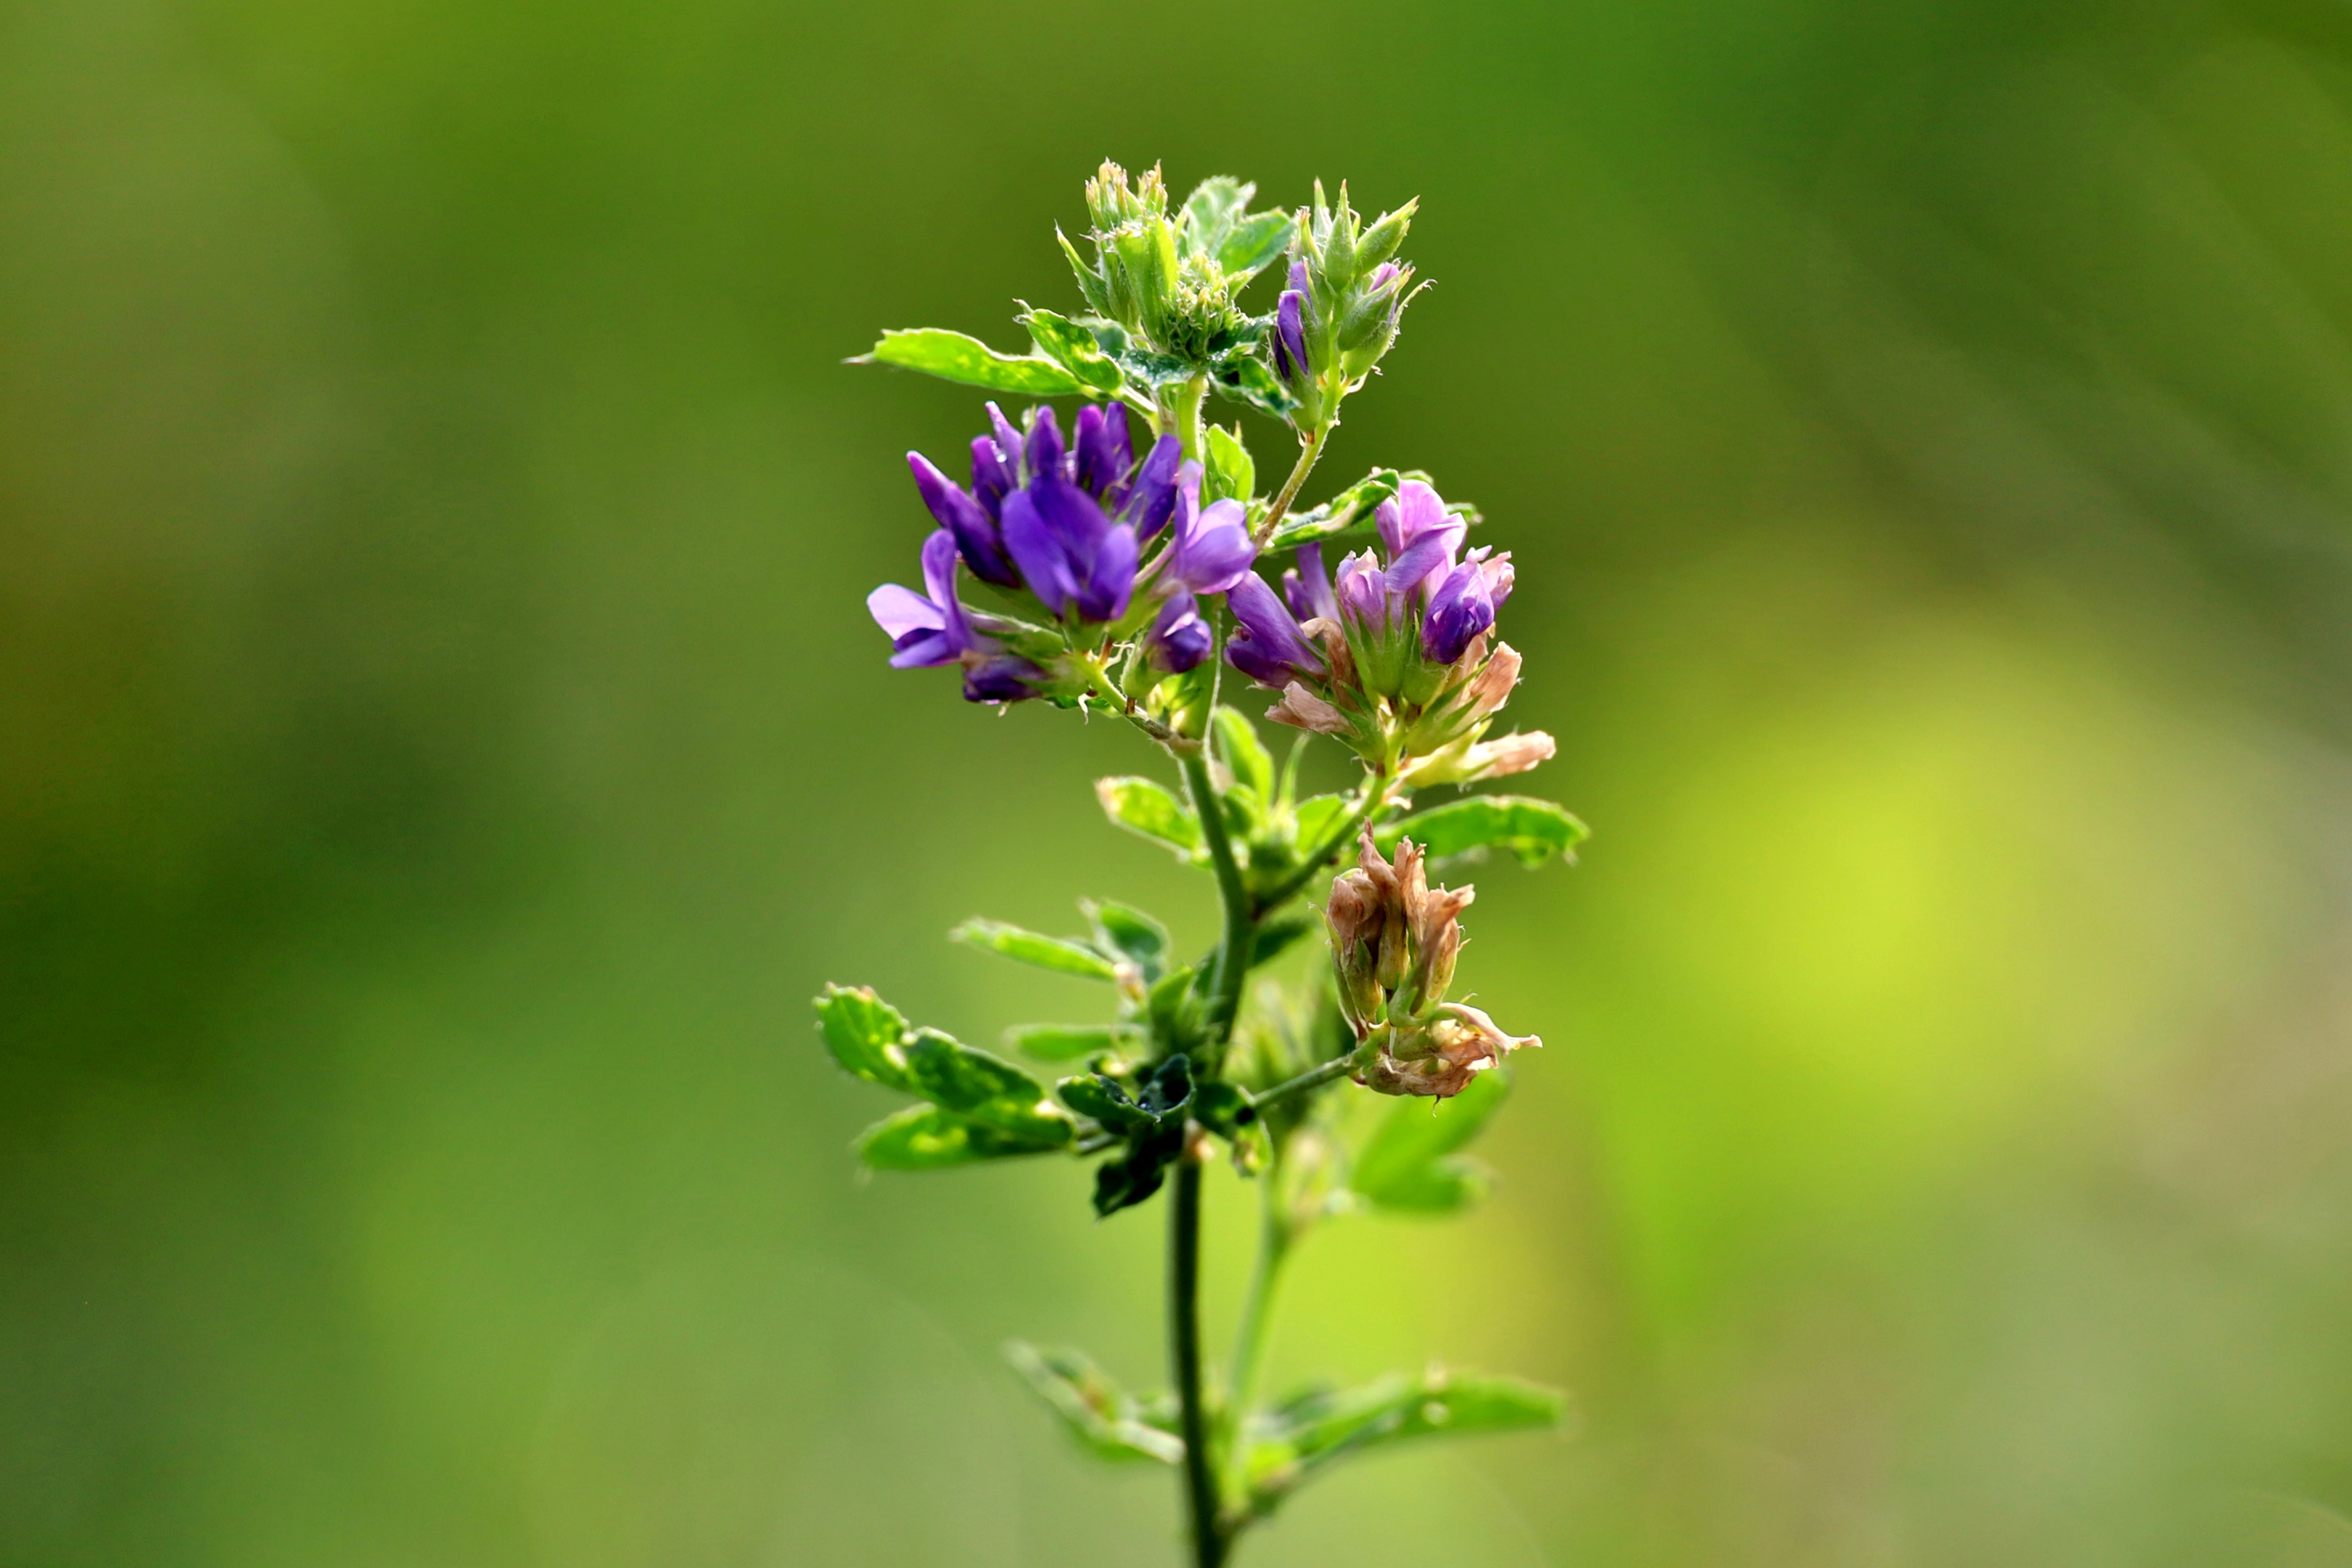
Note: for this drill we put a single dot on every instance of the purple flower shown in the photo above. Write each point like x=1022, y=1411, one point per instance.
x=1071, y=556
x=970, y=522
x=1364, y=597
x=1179, y=638
x=993, y=473
x=924, y=631
x=1212, y=549
x=1464, y=606
x=1269, y=647
x=1000, y=677
x=1307, y=587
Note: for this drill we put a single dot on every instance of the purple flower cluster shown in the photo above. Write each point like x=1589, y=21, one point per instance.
x=1068, y=525
x=1422, y=591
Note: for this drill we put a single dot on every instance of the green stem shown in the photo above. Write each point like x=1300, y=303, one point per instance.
x=1241, y=924
x=1256, y=1330
x=1312, y=1077
x=1187, y=412
x=1207, y=1530
x=1299, y=472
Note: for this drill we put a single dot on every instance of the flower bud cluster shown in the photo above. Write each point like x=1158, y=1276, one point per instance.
x=1059, y=532
x=1343, y=303
x=1395, y=659
x=1394, y=941
x=1168, y=281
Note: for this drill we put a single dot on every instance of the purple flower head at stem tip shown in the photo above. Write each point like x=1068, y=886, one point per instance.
x=925, y=632
x=1212, y=549
x=1269, y=647
x=1464, y=604
x=1179, y=638
x=1307, y=587
x=963, y=515
x=1071, y=555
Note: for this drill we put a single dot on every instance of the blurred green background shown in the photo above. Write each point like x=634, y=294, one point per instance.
x=442, y=749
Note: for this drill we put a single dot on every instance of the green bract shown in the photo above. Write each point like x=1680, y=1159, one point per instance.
x=1089, y=566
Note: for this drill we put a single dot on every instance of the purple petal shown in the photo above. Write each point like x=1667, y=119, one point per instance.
x=1290, y=335
x=1003, y=678
x=974, y=530
x=1111, y=576
x=1308, y=587
x=1179, y=638
x=1045, y=565
x=1269, y=649
x=898, y=611
x=1412, y=512
x=1219, y=551
x=1104, y=454
x=1151, y=500
x=1459, y=610
x=923, y=650
x=1428, y=557
x=993, y=474
x=1298, y=279
x=1044, y=448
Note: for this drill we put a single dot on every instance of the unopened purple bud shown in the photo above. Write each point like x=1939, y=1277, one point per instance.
x=1044, y=453
x=1362, y=593
x=1298, y=279
x=1008, y=442
x=1103, y=452
x=1385, y=276
x=995, y=473
x=1179, y=638
x=1290, y=335
x=1269, y=649
x=1307, y=587
x=960, y=514
x=1004, y=677
x=1152, y=498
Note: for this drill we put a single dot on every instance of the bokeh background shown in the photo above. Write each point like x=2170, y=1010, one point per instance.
x=442, y=749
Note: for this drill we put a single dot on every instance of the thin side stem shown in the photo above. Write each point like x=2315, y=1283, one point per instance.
x=1187, y=412
x=1207, y=1530
x=1299, y=472
x=1313, y=1078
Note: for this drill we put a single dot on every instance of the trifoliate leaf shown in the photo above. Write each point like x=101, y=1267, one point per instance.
x=1210, y=213
x=1074, y=348
x=1245, y=379
x=1253, y=245
x=1073, y=1042
x=1105, y=1420
x=865, y=1034
x=1233, y=474
x=1534, y=830
x=1064, y=956
x=1136, y=1172
x=1350, y=512
x=1242, y=751
x=1310, y=1431
x=1410, y=1163
x=953, y=357
x=982, y=1088
x=1130, y=934
x=1152, y=808
x=926, y=1138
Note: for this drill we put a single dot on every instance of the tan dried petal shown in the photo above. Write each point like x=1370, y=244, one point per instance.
x=1491, y=688
x=1514, y=753
x=1302, y=709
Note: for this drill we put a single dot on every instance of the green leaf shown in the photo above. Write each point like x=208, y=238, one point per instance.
x=1221, y=1108
x=1130, y=934
x=1276, y=936
x=1091, y=283
x=1071, y=1042
x=1095, y=1410
x=1319, y=817
x=1211, y=211
x=1128, y=1178
x=1310, y=1431
x=1173, y=1006
x=984, y=1088
x=952, y=356
x=1100, y=1097
x=1253, y=244
x=926, y=1138
x=1351, y=511
x=1534, y=830
x=1247, y=380
x=1064, y=956
x=1242, y=751
x=865, y=1034
x=1233, y=472
x=1152, y=808
x=1410, y=1163
x=1074, y=348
